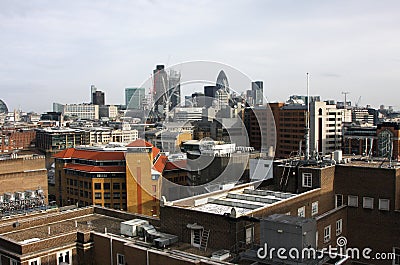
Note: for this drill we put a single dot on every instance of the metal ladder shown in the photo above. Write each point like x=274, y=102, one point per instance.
x=204, y=240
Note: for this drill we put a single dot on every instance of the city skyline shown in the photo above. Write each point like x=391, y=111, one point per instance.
x=53, y=51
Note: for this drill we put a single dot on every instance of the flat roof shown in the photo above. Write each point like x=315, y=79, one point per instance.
x=243, y=200
x=89, y=222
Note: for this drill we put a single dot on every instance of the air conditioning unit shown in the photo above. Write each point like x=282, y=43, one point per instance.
x=220, y=255
x=130, y=228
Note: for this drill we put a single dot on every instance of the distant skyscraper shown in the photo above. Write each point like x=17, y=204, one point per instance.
x=257, y=88
x=174, y=88
x=160, y=88
x=97, y=96
x=222, y=82
x=209, y=93
x=134, y=97
x=166, y=90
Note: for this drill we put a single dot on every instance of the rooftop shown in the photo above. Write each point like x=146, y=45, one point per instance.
x=89, y=222
x=244, y=200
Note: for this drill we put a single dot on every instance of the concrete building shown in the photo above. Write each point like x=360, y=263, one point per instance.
x=55, y=139
x=257, y=89
x=134, y=97
x=78, y=111
x=326, y=124
x=108, y=111
x=188, y=114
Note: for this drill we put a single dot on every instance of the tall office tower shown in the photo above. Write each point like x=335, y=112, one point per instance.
x=97, y=96
x=249, y=97
x=257, y=88
x=174, y=88
x=134, y=97
x=222, y=82
x=93, y=90
x=160, y=89
x=209, y=93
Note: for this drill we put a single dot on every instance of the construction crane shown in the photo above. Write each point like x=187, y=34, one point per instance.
x=358, y=102
x=345, y=99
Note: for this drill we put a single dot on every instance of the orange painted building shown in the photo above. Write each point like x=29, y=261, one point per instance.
x=127, y=178
x=144, y=167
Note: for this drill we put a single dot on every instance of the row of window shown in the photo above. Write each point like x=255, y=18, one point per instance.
x=116, y=206
x=107, y=195
x=63, y=257
x=301, y=212
x=107, y=186
x=367, y=202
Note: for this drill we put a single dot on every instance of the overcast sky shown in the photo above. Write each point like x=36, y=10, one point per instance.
x=52, y=51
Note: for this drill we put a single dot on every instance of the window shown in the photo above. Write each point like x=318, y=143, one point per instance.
x=116, y=195
x=120, y=259
x=368, y=203
x=307, y=180
x=154, y=187
x=352, y=201
x=396, y=252
x=107, y=186
x=339, y=227
x=301, y=211
x=384, y=204
x=116, y=186
x=34, y=261
x=13, y=262
x=314, y=208
x=116, y=206
x=107, y=195
x=97, y=195
x=97, y=186
x=107, y=205
x=64, y=256
x=339, y=200
x=327, y=233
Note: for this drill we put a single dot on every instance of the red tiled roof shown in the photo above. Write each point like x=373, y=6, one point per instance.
x=155, y=151
x=160, y=163
x=178, y=164
x=91, y=155
x=140, y=143
x=89, y=168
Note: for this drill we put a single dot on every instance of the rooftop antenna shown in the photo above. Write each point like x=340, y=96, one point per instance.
x=307, y=136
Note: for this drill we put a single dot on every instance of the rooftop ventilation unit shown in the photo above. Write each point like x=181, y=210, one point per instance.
x=220, y=255
x=129, y=228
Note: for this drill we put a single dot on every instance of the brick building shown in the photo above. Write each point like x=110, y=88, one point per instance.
x=23, y=183
x=120, y=177
x=91, y=176
x=16, y=139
